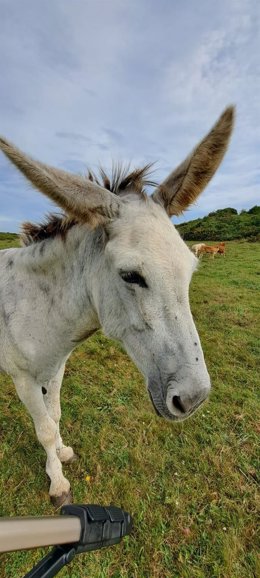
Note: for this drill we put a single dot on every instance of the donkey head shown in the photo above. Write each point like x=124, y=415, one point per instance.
x=141, y=292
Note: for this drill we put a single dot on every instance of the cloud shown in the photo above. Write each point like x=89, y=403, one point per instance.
x=85, y=83
x=73, y=136
x=114, y=135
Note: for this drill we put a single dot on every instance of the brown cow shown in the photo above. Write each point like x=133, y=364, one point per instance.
x=222, y=248
x=213, y=250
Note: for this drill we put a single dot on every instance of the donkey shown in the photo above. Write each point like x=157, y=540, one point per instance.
x=114, y=260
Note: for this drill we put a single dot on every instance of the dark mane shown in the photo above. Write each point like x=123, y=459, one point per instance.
x=52, y=226
x=121, y=182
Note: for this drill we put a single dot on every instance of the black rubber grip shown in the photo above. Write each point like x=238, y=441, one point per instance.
x=101, y=526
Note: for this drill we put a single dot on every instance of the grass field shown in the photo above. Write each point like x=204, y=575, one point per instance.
x=191, y=487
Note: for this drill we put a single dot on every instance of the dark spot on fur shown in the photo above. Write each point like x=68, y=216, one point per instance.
x=197, y=359
x=10, y=263
x=42, y=248
x=6, y=317
x=82, y=267
x=51, y=304
x=195, y=343
x=44, y=287
x=44, y=390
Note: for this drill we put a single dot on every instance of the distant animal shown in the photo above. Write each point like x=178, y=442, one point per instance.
x=222, y=248
x=196, y=248
x=115, y=261
x=212, y=250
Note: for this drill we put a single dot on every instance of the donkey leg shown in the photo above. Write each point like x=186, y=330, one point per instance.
x=30, y=394
x=52, y=402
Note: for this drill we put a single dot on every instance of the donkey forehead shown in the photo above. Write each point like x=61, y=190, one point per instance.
x=144, y=235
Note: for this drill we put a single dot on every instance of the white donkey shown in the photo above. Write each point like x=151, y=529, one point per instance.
x=115, y=261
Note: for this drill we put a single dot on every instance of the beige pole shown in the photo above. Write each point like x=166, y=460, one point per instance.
x=26, y=533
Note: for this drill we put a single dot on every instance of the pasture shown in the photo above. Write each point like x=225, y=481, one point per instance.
x=191, y=487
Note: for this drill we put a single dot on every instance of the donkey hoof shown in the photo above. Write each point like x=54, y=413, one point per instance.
x=64, y=498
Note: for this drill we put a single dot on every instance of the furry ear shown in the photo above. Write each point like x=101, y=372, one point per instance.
x=77, y=196
x=184, y=185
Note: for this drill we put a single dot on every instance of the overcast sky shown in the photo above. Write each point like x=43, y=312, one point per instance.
x=85, y=82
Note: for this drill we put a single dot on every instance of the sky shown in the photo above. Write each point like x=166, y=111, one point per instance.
x=88, y=82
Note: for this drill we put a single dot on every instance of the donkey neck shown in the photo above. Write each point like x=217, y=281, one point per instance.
x=65, y=268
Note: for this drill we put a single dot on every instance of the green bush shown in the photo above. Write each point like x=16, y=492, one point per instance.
x=224, y=225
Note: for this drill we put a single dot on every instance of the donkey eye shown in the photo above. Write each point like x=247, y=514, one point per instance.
x=134, y=278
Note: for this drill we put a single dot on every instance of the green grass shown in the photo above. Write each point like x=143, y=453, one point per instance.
x=191, y=487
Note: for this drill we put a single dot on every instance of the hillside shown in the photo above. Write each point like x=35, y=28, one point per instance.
x=224, y=225
x=8, y=240
x=8, y=236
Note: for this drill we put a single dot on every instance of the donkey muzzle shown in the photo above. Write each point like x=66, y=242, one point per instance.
x=181, y=403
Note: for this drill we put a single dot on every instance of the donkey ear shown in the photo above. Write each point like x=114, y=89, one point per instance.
x=77, y=196
x=184, y=185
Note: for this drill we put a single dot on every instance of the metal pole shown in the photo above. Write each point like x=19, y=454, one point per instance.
x=26, y=533
x=80, y=528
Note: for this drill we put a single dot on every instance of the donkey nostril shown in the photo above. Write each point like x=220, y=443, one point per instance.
x=176, y=402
